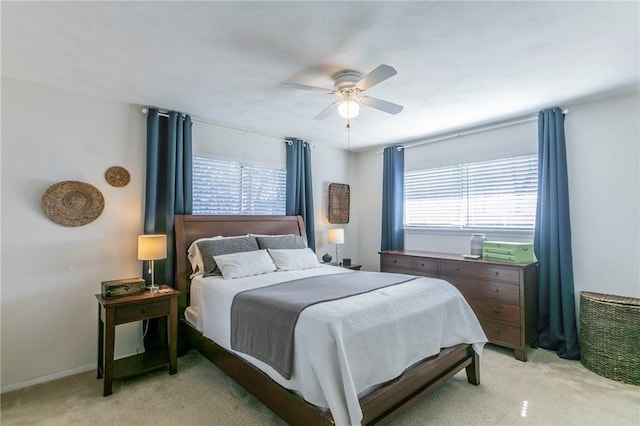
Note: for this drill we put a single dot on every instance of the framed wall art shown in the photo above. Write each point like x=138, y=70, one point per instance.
x=339, y=195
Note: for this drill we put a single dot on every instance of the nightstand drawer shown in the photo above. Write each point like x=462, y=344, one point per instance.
x=141, y=311
x=470, y=287
x=414, y=265
x=481, y=271
x=496, y=311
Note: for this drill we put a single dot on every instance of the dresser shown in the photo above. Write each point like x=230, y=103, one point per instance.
x=502, y=295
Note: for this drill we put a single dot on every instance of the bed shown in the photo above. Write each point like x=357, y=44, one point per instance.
x=377, y=405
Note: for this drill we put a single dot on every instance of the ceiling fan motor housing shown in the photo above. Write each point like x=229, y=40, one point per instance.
x=346, y=80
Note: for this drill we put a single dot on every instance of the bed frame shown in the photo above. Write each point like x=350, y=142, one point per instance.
x=378, y=407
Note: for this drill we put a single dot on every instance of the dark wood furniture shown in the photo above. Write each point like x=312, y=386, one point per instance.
x=502, y=295
x=379, y=406
x=352, y=267
x=121, y=310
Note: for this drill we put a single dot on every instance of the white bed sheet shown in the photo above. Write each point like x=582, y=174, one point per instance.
x=347, y=346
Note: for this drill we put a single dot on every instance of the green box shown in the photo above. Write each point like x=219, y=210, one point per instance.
x=508, y=252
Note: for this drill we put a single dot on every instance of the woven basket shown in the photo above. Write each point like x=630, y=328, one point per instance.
x=610, y=336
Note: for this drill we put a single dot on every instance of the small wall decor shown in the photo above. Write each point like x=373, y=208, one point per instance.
x=339, y=195
x=117, y=176
x=72, y=203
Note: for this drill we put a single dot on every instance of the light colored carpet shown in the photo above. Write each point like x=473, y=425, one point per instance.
x=544, y=391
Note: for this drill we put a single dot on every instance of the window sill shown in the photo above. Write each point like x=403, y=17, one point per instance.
x=493, y=234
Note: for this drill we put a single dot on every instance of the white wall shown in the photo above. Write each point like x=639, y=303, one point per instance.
x=333, y=165
x=50, y=273
x=369, y=166
x=515, y=140
x=329, y=165
x=604, y=184
x=603, y=156
x=511, y=141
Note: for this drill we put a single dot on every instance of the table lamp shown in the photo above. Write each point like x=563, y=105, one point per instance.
x=336, y=236
x=152, y=247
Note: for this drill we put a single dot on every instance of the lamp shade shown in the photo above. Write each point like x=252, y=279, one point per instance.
x=152, y=247
x=336, y=236
x=348, y=109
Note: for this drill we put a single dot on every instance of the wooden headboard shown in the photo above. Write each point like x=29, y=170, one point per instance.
x=189, y=228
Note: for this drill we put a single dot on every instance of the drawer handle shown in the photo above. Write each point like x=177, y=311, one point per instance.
x=496, y=273
x=457, y=269
x=422, y=264
x=143, y=310
x=395, y=261
x=496, y=311
x=497, y=290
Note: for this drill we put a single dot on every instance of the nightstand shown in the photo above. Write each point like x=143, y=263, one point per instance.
x=121, y=310
x=354, y=267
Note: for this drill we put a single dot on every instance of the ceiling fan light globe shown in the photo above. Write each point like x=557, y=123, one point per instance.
x=349, y=109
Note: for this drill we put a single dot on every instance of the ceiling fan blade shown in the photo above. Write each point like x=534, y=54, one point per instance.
x=376, y=76
x=312, y=88
x=327, y=111
x=385, y=106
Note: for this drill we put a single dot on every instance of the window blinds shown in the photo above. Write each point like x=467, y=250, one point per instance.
x=496, y=194
x=223, y=187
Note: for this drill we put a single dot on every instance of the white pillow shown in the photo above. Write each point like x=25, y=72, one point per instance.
x=195, y=258
x=294, y=259
x=244, y=264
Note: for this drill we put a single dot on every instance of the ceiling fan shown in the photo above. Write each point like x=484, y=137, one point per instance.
x=349, y=84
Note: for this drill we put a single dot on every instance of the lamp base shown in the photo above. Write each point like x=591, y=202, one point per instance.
x=153, y=288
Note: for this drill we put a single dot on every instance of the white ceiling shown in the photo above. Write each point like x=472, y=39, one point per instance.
x=459, y=63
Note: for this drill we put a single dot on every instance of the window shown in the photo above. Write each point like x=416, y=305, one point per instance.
x=497, y=195
x=232, y=187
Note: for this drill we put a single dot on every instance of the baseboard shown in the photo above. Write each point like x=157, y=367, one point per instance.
x=54, y=376
x=47, y=378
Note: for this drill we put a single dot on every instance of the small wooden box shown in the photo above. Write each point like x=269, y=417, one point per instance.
x=123, y=287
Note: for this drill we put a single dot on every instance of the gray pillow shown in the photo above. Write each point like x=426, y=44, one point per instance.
x=210, y=248
x=280, y=242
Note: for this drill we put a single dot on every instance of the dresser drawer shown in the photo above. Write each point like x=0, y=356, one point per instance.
x=496, y=311
x=139, y=312
x=410, y=272
x=494, y=290
x=502, y=334
x=416, y=265
x=480, y=271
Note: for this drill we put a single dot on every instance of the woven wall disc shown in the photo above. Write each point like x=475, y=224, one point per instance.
x=72, y=203
x=117, y=176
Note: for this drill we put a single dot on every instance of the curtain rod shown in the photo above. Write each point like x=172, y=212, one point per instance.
x=474, y=130
x=165, y=113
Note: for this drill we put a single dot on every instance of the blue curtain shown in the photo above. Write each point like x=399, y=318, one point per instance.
x=300, y=187
x=552, y=241
x=393, y=199
x=168, y=192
